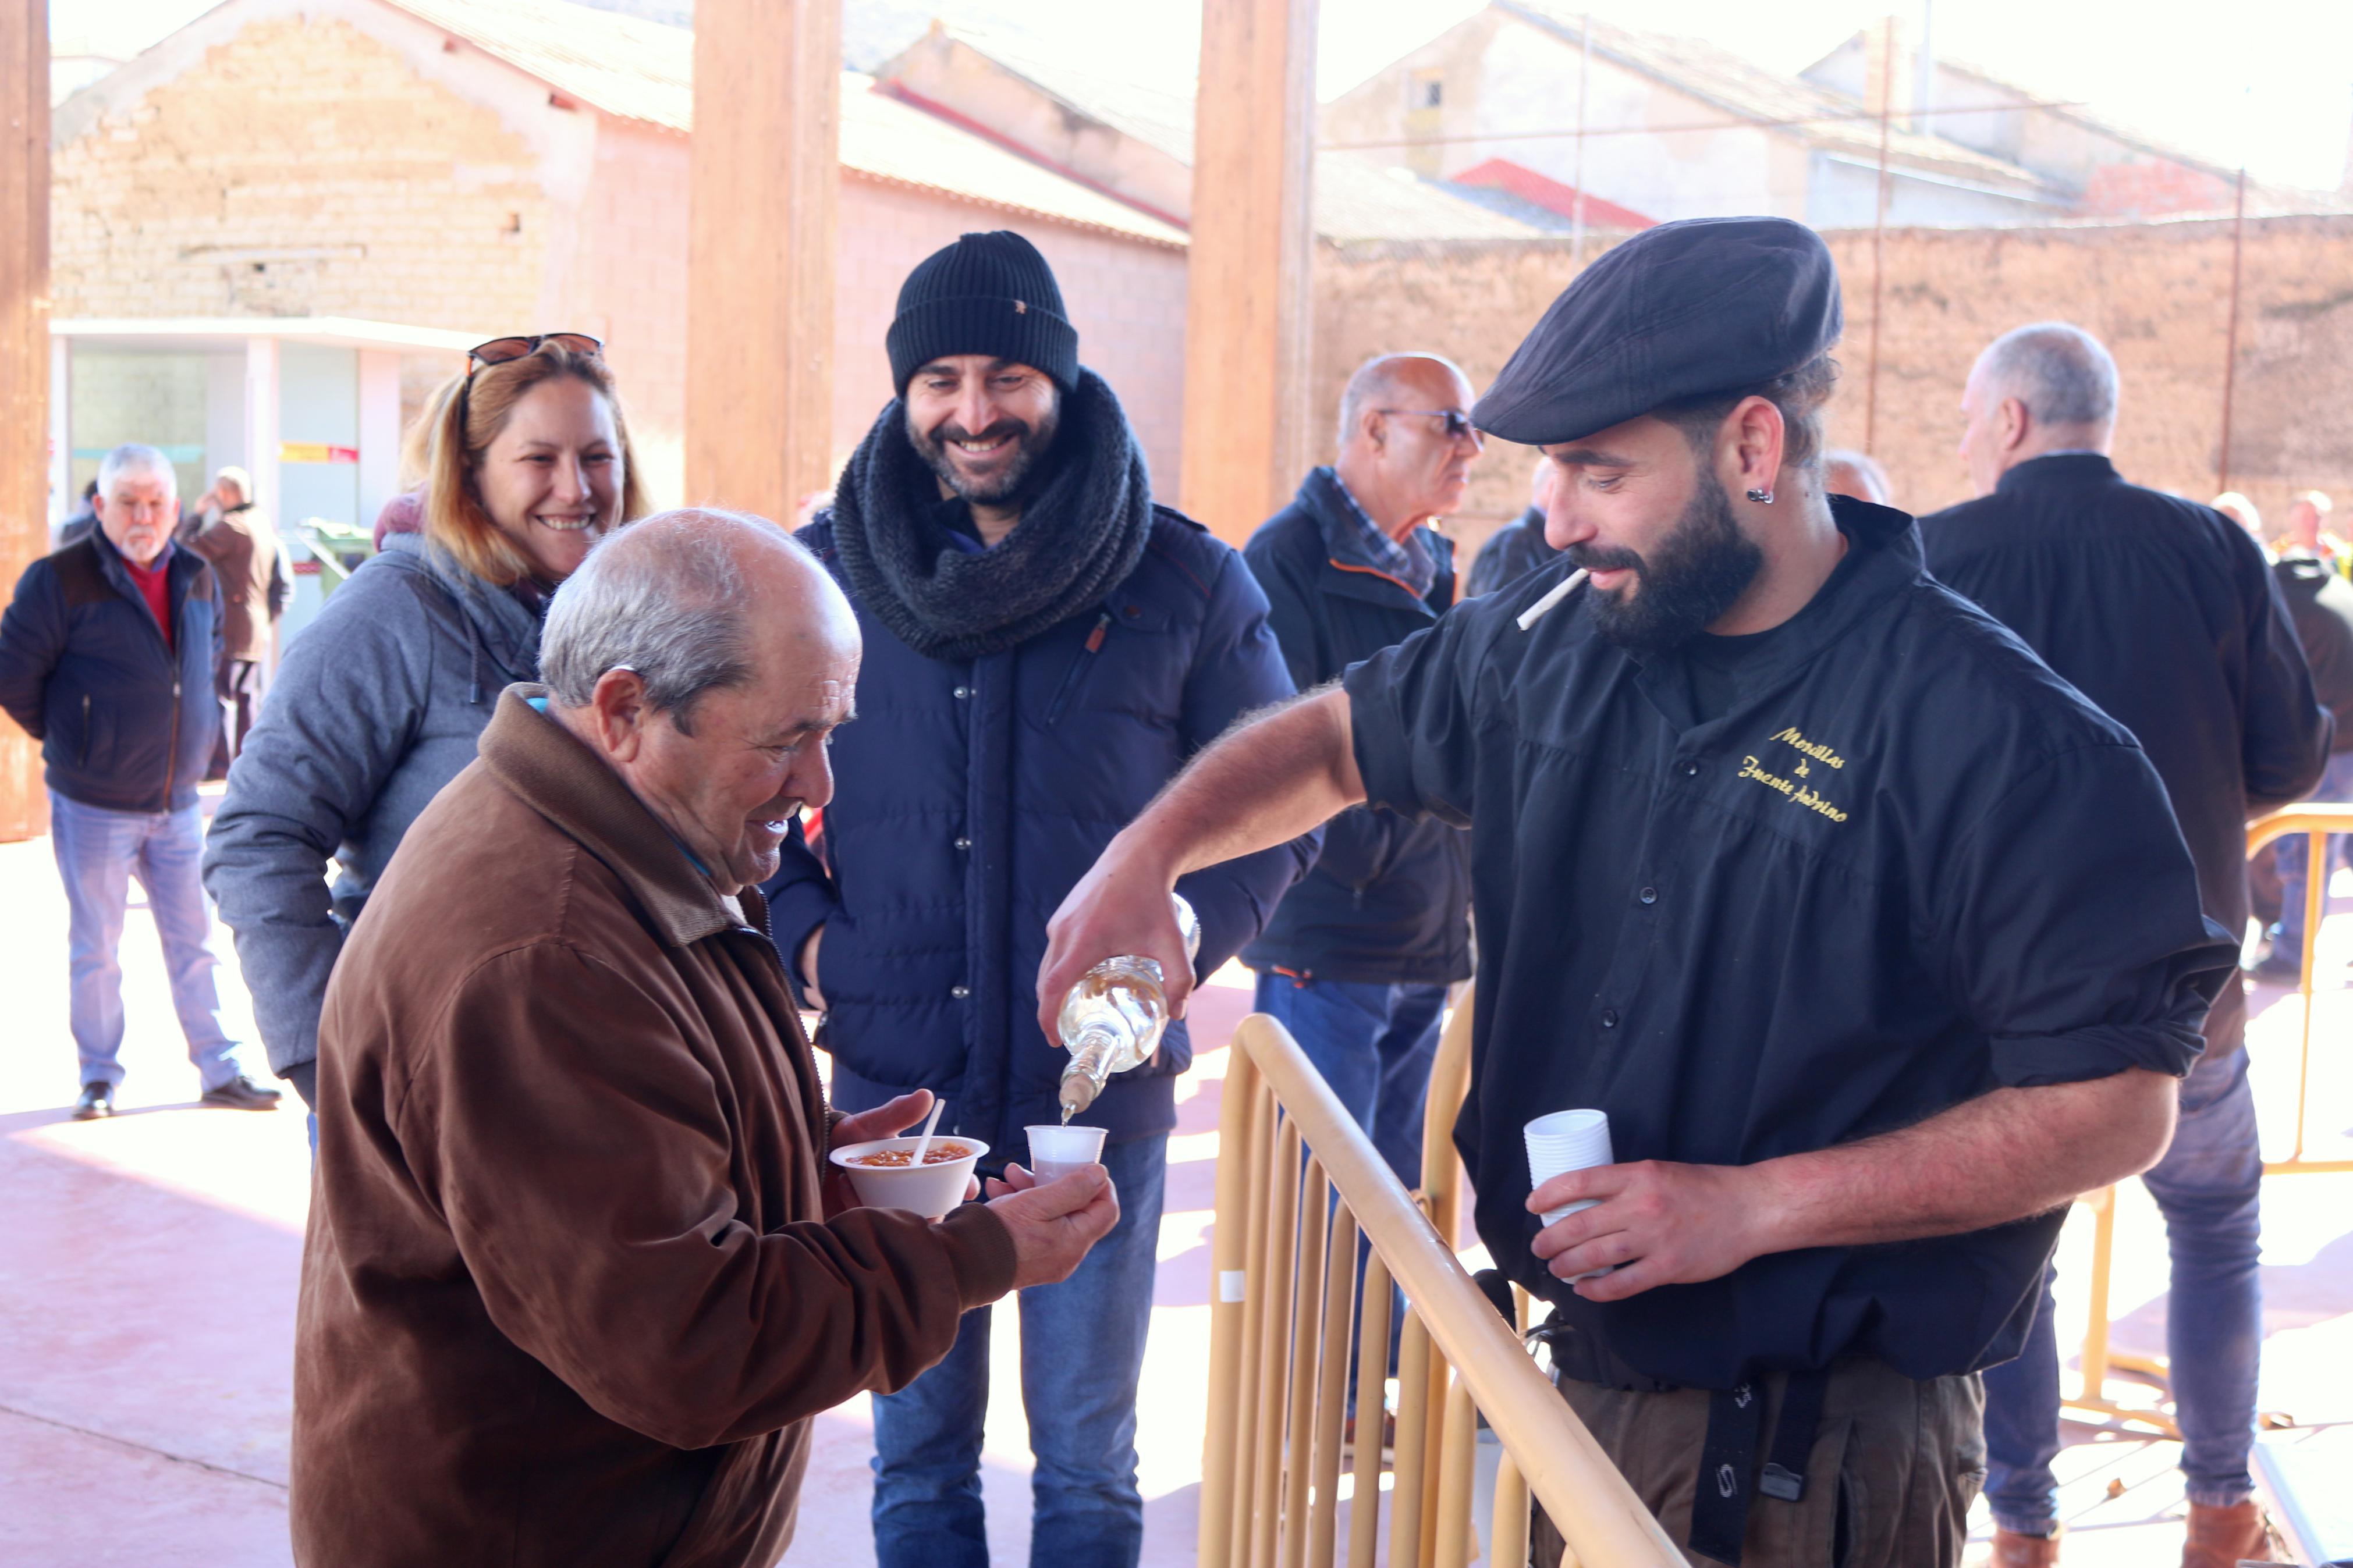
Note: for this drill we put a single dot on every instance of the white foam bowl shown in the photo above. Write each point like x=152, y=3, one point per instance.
x=929, y=1190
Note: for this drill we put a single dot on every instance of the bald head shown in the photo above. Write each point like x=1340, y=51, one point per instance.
x=708, y=658
x=2044, y=388
x=1406, y=441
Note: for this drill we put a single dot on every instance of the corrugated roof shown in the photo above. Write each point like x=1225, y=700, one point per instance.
x=645, y=71
x=1749, y=91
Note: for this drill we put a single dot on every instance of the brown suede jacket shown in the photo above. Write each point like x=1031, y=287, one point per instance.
x=570, y=1296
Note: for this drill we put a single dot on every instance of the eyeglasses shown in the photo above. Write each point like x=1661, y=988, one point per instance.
x=1458, y=424
x=499, y=351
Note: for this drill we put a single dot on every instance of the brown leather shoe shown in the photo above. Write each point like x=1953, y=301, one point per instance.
x=2026, y=1550
x=2220, y=1537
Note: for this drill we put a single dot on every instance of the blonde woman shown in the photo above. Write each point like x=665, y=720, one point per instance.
x=381, y=702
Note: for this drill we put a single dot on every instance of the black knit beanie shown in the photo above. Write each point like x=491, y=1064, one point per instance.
x=986, y=294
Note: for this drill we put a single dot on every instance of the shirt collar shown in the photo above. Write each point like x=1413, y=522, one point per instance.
x=1409, y=561
x=2075, y=463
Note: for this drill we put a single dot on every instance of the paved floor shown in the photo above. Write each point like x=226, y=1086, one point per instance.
x=148, y=1264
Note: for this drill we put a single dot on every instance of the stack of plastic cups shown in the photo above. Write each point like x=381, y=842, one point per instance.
x=1058, y=1151
x=1562, y=1142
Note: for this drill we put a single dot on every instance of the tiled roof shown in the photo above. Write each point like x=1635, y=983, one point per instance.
x=1354, y=200
x=645, y=71
x=1750, y=92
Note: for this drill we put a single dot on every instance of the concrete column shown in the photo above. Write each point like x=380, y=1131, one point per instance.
x=1248, y=313
x=379, y=431
x=25, y=362
x=261, y=425
x=760, y=258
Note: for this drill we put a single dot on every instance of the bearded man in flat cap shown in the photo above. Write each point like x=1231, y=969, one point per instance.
x=1876, y=942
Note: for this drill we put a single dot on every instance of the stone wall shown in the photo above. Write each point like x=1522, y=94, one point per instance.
x=2158, y=294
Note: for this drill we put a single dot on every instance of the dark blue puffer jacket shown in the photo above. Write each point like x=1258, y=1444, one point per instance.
x=126, y=721
x=971, y=795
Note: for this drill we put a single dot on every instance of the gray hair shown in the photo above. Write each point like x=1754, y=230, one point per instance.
x=2061, y=372
x=130, y=458
x=1376, y=382
x=664, y=599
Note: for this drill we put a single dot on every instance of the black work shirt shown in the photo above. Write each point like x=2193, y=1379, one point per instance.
x=1907, y=866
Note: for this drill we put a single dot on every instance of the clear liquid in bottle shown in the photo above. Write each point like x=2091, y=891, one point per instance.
x=1111, y=1020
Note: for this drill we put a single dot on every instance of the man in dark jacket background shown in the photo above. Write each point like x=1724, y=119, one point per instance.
x=1357, y=958
x=1519, y=547
x=106, y=658
x=239, y=541
x=2320, y=602
x=1044, y=648
x=2162, y=612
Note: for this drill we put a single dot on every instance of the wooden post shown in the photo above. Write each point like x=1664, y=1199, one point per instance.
x=1247, y=343
x=760, y=258
x=24, y=361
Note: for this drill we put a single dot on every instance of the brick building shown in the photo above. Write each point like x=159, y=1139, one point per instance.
x=522, y=166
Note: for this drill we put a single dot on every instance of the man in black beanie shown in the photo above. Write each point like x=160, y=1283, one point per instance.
x=1875, y=941
x=1044, y=648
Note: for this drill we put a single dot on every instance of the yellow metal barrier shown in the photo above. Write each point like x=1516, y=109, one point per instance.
x=1298, y=1182
x=2316, y=823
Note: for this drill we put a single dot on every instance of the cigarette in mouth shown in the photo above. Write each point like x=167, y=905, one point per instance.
x=1567, y=586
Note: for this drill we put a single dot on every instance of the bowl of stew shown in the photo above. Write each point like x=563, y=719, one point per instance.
x=884, y=1175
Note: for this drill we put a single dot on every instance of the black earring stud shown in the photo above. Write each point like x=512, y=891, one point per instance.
x=1762, y=498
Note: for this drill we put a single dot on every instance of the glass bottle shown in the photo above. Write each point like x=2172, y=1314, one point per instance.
x=1113, y=1018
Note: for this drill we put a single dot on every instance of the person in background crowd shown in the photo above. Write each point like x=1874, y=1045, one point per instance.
x=2241, y=511
x=1356, y=959
x=2163, y=613
x=1044, y=649
x=1519, y=547
x=77, y=527
x=106, y=655
x=2321, y=604
x=1847, y=472
x=574, y=1280
x=2305, y=533
x=380, y=703
x=1860, y=926
x=254, y=585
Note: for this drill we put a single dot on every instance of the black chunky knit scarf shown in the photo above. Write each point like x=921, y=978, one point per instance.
x=1081, y=532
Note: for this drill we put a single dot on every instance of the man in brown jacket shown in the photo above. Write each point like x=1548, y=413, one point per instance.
x=575, y=1282
x=236, y=537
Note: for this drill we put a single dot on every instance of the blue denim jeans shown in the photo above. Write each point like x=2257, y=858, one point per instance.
x=2207, y=1188
x=1081, y=1354
x=1374, y=1044
x=99, y=851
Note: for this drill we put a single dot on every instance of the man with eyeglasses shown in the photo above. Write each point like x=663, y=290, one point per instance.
x=1356, y=958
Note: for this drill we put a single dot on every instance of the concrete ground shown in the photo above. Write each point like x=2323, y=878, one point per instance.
x=148, y=1266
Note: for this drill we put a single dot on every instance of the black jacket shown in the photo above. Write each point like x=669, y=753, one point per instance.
x=125, y=721
x=1906, y=867
x=1389, y=899
x=2164, y=612
x=2321, y=604
x=1511, y=553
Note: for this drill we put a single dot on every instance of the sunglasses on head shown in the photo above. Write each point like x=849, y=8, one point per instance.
x=1458, y=424
x=499, y=351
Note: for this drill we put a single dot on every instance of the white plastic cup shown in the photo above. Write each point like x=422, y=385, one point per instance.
x=1057, y=1151
x=930, y=1190
x=1562, y=1142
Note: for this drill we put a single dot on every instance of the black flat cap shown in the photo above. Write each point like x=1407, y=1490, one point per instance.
x=1686, y=308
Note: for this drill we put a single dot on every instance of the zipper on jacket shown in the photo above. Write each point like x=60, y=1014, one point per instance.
x=85, y=729
x=1078, y=666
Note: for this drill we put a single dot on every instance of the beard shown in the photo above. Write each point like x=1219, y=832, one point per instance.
x=1010, y=483
x=1690, y=580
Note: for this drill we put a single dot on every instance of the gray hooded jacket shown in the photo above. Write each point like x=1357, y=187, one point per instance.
x=379, y=704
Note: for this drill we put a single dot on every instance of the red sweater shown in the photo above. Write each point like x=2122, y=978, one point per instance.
x=155, y=582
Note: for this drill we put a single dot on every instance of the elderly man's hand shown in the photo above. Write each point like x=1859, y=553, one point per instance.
x=886, y=1120
x=1053, y=1224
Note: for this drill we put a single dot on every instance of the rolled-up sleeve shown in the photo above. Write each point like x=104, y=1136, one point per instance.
x=2067, y=924
x=1412, y=713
